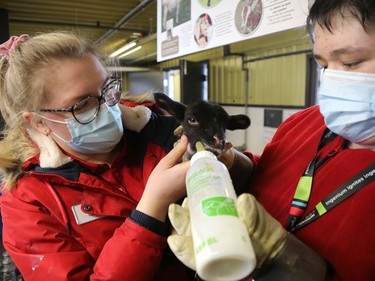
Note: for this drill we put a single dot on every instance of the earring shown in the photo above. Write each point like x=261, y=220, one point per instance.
x=46, y=132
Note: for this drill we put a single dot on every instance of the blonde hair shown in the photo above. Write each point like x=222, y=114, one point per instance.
x=22, y=90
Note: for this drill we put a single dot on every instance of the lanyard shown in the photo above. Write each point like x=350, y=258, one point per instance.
x=304, y=186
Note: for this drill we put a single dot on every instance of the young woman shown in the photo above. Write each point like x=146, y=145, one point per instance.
x=75, y=164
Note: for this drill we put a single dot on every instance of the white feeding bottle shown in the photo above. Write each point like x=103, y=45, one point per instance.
x=222, y=247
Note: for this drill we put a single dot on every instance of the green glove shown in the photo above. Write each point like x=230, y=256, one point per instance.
x=266, y=234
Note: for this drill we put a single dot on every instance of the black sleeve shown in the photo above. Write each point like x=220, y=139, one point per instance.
x=148, y=222
x=159, y=130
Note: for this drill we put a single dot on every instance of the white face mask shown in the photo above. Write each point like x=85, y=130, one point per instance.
x=100, y=135
x=347, y=102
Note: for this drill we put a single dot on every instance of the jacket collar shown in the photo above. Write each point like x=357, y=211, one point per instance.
x=50, y=155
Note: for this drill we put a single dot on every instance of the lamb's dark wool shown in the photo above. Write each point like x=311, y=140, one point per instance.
x=203, y=121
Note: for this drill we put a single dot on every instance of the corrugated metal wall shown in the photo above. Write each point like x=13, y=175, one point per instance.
x=275, y=64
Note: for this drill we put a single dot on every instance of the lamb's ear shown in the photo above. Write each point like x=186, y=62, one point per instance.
x=172, y=107
x=240, y=121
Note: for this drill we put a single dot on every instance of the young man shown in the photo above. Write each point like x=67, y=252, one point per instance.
x=312, y=218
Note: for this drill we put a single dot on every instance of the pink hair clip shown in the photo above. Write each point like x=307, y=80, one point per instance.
x=9, y=46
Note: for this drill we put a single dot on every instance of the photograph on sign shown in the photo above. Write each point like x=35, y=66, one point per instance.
x=189, y=26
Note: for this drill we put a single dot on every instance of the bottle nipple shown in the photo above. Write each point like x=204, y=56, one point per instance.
x=199, y=146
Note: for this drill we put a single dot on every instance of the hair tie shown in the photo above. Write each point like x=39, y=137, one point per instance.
x=9, y=46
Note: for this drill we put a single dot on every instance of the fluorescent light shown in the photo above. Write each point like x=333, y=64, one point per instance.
x=130, y=52
x=123, y=49
x=128, y=69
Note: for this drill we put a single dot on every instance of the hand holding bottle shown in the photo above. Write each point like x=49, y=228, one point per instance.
x=166, y=183
x=266, y=234
x=216, y=253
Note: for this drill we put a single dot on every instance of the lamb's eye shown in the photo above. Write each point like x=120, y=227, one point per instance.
x=192, y=121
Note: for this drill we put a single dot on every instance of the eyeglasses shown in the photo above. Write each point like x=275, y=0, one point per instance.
x=110, y=94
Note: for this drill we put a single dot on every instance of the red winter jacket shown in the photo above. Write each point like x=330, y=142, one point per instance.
x=345, y=235
x=44, y=239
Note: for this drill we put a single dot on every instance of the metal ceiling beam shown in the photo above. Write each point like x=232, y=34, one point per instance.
x=97, y=26
x=151, y=55
x=129, y=69
x=125, y=19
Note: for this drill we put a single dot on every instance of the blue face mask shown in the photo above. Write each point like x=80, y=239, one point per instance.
x=347, y=102
x=99, y=136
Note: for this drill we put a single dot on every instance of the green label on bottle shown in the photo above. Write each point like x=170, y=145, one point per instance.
x=219, y=206
x=210, y=241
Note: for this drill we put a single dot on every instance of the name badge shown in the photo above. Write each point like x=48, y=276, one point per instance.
x=82, y=217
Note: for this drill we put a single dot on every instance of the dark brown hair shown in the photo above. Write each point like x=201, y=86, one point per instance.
x=322, y=12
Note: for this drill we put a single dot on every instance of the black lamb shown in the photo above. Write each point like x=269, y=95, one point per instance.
x=203, y=121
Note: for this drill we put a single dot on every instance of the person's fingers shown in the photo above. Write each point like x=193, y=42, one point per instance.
x=180, y=219
x=246, y=208
x=227, y=157
x=174, y=156
x=182, y=247
x=185, y=203
x=228, y=145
